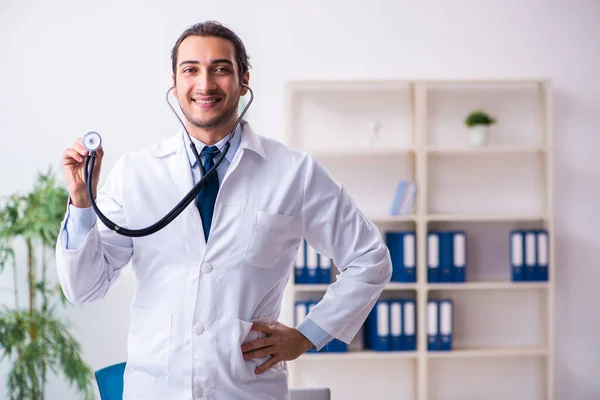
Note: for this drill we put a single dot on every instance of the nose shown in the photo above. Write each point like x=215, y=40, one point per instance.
x=204, y=83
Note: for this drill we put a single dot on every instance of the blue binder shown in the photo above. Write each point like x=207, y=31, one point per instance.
x=402, y=247
x=300, y=272
x=530, y=254
x=433, y=333
x=409, y=325
x=459, y=256
x=312, y=266
x=433, y=257
x=543, y=255
x=445, y=324
x=324, y=269
x=396, y=336
x=377, y=327
x=517, y=251
x=446, y=257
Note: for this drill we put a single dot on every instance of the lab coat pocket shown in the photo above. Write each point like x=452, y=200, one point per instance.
x=267, y=238
x=243, y=370
x=149, y=342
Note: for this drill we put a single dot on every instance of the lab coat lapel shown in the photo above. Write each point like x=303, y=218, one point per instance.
x=248, y=141
x=178, y=164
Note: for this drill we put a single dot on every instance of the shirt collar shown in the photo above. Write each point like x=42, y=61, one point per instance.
x=235, y=142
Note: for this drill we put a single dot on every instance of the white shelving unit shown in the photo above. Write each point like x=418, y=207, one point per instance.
x=503, y=331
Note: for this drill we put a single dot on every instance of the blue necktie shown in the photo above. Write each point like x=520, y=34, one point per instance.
x=208, y=194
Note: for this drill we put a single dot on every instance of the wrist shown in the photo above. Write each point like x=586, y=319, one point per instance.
x=80, y=200
x=306, y=343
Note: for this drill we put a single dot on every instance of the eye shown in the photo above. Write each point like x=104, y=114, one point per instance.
x=188, y=70
x=222, y=70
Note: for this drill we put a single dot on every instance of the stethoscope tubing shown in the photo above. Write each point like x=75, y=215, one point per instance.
x=183, y=203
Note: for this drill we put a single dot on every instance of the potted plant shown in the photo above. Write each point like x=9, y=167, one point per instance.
x=478, y=122
x=33, y=336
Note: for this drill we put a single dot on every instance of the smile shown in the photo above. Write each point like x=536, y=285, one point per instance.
x=213, y=101
x=206, y=103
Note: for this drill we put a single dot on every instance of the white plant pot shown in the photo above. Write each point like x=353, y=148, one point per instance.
x=478, y=135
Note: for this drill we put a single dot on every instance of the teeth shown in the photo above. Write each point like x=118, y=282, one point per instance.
x=206, y=101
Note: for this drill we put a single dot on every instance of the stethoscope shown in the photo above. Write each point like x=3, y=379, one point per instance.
x=92, y=142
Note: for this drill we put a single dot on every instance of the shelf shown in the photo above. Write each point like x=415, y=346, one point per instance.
x=351, y=85
x=500, y=285
x=459, y=218
x=483, y=217
x=490, y=353
x=414, y=130
x=400, y=286
x=392, y=218
x=311, y=288
x=386, y=152
x=487, y=150
x=324, y=287
x=489, y=286
x=360, y=355
x=362, y=153
x=482, y=83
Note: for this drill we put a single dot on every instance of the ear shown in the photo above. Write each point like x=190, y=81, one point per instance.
x=174, y=85
x=245, y=80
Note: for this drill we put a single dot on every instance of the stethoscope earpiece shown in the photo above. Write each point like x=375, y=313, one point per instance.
x=92, y=141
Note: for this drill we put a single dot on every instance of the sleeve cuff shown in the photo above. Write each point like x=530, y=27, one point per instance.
x=314, y=333
x=80, y=222
x=80, y=219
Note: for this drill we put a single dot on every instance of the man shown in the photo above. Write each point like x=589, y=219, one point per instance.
x=210, y=284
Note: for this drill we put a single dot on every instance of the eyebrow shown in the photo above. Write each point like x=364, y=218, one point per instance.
x=217, y=61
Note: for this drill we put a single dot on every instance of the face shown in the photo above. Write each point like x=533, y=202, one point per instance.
x=207, y=81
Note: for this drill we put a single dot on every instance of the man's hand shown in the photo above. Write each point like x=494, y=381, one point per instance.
x=282, y=344
x=73, y=163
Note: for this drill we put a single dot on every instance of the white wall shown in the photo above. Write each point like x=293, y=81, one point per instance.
x=69, y=66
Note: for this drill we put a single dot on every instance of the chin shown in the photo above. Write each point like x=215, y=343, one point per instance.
x=206, y=123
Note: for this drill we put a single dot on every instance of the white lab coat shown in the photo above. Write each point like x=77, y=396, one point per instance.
x=195, y=302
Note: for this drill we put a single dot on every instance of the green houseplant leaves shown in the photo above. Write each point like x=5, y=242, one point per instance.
x=33, y=336
x=479, y=117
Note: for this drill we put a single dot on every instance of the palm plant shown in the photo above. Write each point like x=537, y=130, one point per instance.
x=34, y=337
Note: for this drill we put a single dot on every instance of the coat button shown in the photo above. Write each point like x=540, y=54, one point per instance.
x=198, y=392
x=206, y=268
x=198, y=329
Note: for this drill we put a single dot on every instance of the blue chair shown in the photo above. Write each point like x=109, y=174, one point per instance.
x=110, y=382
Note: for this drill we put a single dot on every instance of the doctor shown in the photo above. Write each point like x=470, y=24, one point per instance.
x=209, y=286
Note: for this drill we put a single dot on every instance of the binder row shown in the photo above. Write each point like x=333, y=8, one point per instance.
x=529, y=255
x=302, y=309
x=403, y=250
x=439, y=324
x=311, y=267
x=391, y=326
x=446, y=256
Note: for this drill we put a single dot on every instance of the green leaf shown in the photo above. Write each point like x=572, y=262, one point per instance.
x=479, y=117
x=6, y=253
x=36, y=340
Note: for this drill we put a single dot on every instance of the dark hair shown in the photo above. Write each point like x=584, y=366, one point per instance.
x=216, y=29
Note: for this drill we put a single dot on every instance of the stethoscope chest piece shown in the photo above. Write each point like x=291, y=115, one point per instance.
x=91, y=141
